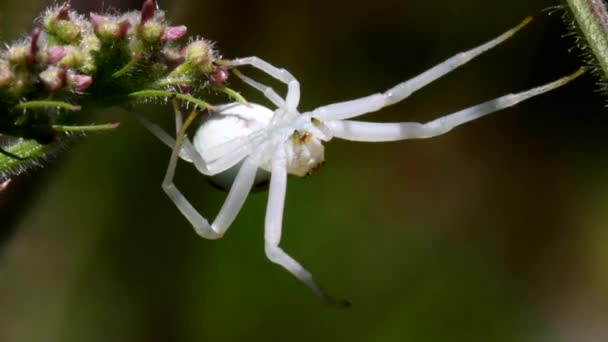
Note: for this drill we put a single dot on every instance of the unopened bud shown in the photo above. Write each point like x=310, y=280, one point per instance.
x=173, y=33
x=58, y=24
x=18, y=54
x=147, y=11
x=72, y=58
x=55, y=53
x=151, y=31
x=31, y=58
x=54, y=77
x=218, y=76
x=199, y=54
x=80, y=83
x=109, y=28
x=63, y=12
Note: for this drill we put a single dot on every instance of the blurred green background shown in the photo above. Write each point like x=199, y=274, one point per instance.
x=493, y=232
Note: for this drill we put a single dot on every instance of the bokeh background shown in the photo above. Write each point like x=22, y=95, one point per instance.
x=493, y=232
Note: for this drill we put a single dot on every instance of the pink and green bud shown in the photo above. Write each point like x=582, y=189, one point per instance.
x=73, y=57
x=151, y=31
x=64, y=12
x=147, y=11
x=31, y=58
x=54, y=77
x=79, y=83
x=173, y=33
x=67, y=55
x=58, y=24
x=107, y=28
x=218, y=76
x=18, y=54
x=200, y=55
x=55, y=53
x=27, y=53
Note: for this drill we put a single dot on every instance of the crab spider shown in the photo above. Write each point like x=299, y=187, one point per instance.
x=248, y=137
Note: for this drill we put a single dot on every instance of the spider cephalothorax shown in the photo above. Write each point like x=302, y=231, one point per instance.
x=248, y=137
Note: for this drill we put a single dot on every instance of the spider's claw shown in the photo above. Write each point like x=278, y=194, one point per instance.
x=330, y=300
x=337, y=303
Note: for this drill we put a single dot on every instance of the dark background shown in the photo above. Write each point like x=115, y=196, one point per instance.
x=493, y=232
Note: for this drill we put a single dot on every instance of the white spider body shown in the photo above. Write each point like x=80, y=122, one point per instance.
x=235, y=124
x=225, y=129
x=249, y=137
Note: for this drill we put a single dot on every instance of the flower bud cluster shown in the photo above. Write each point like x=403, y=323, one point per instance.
x=97, y=60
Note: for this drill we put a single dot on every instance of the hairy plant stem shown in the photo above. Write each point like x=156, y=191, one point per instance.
x=25, y=147
x=591, y=20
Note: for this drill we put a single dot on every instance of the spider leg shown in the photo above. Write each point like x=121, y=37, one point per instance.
x=372, y=103
x=187, y=151
x=268, y=92
x=293, y=86
x=273, y=227
x=236, y=197
x=375, y=132
x=163, y=136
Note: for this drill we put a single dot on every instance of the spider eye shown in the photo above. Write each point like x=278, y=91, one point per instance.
x=301, y=138
x=223, y=181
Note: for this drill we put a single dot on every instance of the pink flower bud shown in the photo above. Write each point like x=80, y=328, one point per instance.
x=80, y=83
x=147, y=11
x=109, y=28
x=123, y=28
x=173, y=33
x=55, y=53
x=97, y=20
x=54, y=77
x=63, y=12
x=31, y=58
x=218, y=76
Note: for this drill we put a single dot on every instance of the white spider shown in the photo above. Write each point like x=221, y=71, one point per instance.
x=249, y=137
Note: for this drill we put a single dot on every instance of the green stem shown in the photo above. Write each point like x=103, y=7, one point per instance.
x=173, y=82
x=232, y=93
x=169, y=94
x=47, y=104
x=591, y=19
x=122, y=71
x=87, y=128
x=29, y=150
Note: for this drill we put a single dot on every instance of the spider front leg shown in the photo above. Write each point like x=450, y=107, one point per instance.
x=187, y=151
x=376, y=132
x=375, y=102
x=268, y=92
x=273, y=226
x=293, y=86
